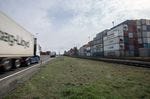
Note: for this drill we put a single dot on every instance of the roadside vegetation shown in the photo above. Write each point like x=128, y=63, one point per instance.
x=73, y=78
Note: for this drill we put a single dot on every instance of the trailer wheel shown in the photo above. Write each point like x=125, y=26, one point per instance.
x=16, y=63
x=7, y=65
x=28, y=63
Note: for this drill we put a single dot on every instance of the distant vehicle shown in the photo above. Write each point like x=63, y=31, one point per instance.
x=53, y=54
x=17, y=46
x=34, y=59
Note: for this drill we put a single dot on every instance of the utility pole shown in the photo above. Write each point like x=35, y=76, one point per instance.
x=89, y=38
x=113, y=23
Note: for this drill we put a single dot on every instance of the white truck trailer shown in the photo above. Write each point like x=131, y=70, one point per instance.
x=16, y=44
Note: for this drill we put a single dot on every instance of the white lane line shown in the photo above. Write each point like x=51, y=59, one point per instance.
x=23, y=70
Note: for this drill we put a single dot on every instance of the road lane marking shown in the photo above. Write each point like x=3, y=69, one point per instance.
x=23, y=70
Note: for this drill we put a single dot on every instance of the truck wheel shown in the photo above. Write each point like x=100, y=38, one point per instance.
x=7, y=65
x=16, y=63
x=28, y=62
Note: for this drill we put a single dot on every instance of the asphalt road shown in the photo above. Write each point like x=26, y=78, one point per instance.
x=4, y=74
x=10, y=80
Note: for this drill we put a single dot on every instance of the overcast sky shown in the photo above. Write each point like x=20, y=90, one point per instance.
x=62, y=24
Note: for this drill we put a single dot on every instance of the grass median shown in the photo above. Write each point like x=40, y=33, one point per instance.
x=73, y=78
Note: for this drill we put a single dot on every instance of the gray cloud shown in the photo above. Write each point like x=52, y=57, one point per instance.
x=62, y=24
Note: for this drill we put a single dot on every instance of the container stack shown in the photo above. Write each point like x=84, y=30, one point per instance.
x=97, y=45
x=113, y=42
x=143, y=31
x=130, y=38
x=121, y=40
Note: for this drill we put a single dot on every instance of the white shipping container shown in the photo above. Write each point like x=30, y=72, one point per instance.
x=146, y=40
x=113, y=47
x=125, y=27
x=147, y=22
x=15, y=41
x=115, y=32
x=143, y=21
x=146, y=34
x=130, y=35
x=144, y=27
x=115, y=40
x=138, y=22
x=105, y=38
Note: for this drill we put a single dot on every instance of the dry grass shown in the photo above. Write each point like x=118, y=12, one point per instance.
x=72, y=78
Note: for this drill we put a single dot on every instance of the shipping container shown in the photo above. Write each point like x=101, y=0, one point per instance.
x=144, y=27
x=146, y=40
x=139, y=30
x=115, y=40
x=144, y=52
x=148, y=27
x=140, y=41
x=130, y=35
x=147, y=22
x=131, y=47
x=139, y=34
x=146, y=34
x=126, y=34
x=131, y=53
x=146, y=45
x=114, y=47
x=138, y=22
x=126, y=40
x=105, y=38
x=114, y=53
x=115, y=32
x=143, y=21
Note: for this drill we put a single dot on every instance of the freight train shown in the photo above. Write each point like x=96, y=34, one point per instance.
x=18, y=47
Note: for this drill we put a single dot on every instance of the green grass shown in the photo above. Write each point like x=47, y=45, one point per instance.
x=72, y=78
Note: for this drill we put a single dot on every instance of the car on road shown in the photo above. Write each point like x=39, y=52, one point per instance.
x=34, y=59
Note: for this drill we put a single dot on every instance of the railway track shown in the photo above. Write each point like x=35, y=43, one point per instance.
x=128, y=62
x=132, y=62
x=10, y=80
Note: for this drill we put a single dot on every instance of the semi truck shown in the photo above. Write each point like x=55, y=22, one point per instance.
x=18, y=47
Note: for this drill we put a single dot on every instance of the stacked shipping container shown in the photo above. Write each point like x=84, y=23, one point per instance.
x=125, y=39
x=113, y=42
x=143, y=31
x=97, y=45
x=85, y=50
x=130, y=38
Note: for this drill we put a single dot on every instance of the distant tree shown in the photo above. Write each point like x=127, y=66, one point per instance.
x=65, y=52
x=75, y=51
